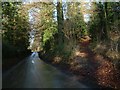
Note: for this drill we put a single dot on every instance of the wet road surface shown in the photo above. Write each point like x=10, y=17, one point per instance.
x=34, y=73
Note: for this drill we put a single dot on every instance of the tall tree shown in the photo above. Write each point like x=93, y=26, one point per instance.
x=98, y=22
x=43, y=24
x=76, y=25
x=60, y=21
x=15, y=27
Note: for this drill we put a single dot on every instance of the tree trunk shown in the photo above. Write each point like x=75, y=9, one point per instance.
x=106, y=26
x=60, y=22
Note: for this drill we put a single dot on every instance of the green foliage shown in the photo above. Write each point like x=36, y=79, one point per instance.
x=76, y=17
x=44, y=25
x=57, y=33
x=48, y=34
x=103, y=20
x=15, y=27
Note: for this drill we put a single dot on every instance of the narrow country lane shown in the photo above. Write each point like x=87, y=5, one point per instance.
x=34, y=73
